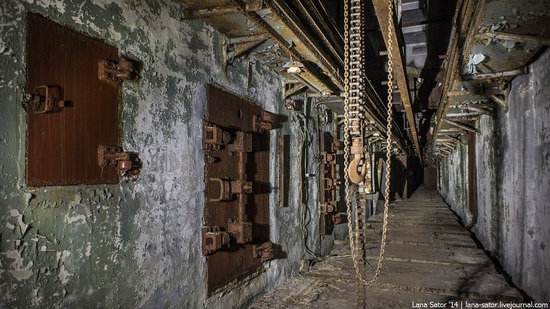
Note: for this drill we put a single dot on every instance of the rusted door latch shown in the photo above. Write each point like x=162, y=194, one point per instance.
x=327, y=208
x=213, y=239
x=116, y=72
x=45, y=99
x=241, y=231
x=328, y=158
x=263, y=122
x=264, y=251
x=228, y=188
x=214, y=137
x=126, y=163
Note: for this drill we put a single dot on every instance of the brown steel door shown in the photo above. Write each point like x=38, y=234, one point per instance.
x=234, y=116
x=62, y=145
x=328, y=184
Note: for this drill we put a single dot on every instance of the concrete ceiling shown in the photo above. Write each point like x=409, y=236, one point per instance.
x=458, y=56
x=492, y=41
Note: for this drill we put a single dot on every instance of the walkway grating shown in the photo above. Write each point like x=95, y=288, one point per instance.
x=430, y=257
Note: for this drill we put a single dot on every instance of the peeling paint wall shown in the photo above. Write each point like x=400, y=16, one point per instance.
x=132, y=245
x=513, y=175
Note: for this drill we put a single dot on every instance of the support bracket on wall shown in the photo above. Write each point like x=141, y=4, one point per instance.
x=501, y=102
x=236, y=47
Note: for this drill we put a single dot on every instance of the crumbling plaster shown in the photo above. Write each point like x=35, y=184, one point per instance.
x=513, y=176
x=136, y=244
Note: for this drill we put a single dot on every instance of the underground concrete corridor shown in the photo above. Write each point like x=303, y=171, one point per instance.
x=226, y=154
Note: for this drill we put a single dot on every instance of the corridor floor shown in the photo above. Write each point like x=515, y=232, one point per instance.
x=431, y=262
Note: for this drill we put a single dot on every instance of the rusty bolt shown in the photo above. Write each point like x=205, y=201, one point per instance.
x=247, y=187
x=210, y=159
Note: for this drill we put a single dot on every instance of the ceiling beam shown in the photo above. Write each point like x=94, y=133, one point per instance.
x=220, y=10
x=467, y=15
x=514, y=37
x=462, y=125
x=381, y=9
x=481, y=76
x=316, y=74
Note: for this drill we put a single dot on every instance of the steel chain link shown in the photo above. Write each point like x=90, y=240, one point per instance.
x=352, y=104
x=346, y=123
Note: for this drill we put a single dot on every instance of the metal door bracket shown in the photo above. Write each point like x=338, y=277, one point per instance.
x=46, y=99
x=214, y=137
x=228, y=188
x=242, y=143
x=126, y=163
x=327, y=208
x=328, y=158
x=240, y=230
x=330, y=184
x=263, y=122
x=116, y=72
x=213, y=239
x=264, y=251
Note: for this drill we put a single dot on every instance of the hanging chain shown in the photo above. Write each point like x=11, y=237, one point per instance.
x=346, y=113
x=352, y=74
x=346, y=123
x=389, y=142
x=353, y=83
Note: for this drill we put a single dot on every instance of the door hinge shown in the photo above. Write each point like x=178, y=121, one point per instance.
x=213, y=239
x=127, y=163
x=114, y=72
x=214, y=137
x=263, y=122
x=264, y=251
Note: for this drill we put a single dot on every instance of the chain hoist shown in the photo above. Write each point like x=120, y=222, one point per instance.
x=354, y=121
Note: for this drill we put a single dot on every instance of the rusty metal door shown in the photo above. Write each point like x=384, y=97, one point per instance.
x=236, y=232
x=62, y=144
x=328, y=183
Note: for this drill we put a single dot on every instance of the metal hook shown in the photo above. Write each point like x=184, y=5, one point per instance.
x=353, y=172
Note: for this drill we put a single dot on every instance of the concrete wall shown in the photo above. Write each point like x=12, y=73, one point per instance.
x=513, y=175
x=137, y=244
x=453, y=182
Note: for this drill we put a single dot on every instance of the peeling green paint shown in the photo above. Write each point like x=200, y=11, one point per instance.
x=133, y=244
